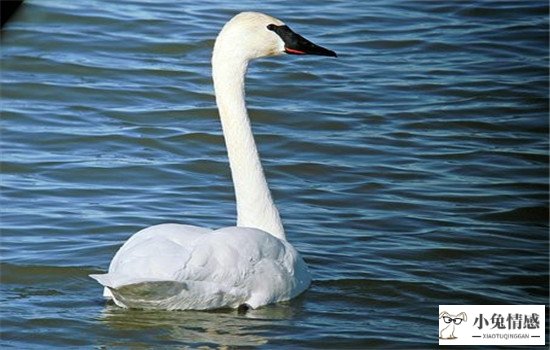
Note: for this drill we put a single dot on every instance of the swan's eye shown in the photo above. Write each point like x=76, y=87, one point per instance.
x=271, y=27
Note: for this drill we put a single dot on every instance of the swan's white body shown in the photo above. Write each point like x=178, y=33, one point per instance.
x=174, y=266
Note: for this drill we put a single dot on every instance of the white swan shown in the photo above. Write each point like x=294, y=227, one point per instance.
x=173, y=266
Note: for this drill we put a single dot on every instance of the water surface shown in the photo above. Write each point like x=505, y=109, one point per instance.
x=411, y=171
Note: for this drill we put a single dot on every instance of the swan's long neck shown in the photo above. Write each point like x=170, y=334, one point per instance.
x=255, y=206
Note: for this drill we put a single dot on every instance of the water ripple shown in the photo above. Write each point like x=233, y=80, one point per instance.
x=411, y=171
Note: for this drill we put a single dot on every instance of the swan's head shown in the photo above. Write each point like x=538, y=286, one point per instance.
x=252, y=35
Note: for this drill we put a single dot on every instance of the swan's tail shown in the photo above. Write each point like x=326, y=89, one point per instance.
x=105, y=281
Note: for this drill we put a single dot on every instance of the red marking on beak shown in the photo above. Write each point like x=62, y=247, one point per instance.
x=296, y=52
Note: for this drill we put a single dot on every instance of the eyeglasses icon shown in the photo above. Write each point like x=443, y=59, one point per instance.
x=448, y=319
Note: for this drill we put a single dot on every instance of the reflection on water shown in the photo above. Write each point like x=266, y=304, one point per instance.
x=203, y=328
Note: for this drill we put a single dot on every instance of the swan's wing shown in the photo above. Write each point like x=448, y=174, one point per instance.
x=259, y=265
x=152, y=254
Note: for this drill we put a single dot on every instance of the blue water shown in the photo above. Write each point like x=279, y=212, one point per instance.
x=411, y=171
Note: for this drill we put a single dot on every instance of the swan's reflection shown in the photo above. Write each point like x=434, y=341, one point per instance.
x=216, y=329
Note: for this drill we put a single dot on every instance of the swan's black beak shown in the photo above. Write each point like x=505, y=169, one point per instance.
x=295, y=44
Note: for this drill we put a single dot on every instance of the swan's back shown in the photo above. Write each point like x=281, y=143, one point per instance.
x=174, y=266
